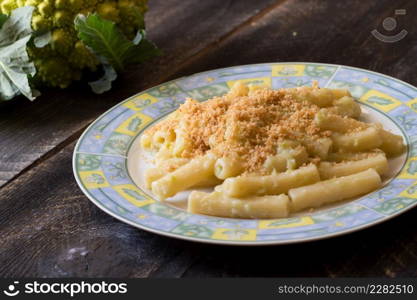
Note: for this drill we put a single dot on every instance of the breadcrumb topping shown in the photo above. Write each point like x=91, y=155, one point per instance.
x=251, y=126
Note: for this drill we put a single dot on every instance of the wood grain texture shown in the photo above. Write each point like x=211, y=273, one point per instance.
x=53, y=231
x=181, y=28
x=48, y=228
x=337, y=32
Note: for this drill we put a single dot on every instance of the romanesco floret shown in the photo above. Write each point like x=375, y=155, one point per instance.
x=62, y=61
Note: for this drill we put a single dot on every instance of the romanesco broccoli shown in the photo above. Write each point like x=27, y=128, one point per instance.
x=65, y=56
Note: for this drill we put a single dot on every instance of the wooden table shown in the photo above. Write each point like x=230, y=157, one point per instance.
x=49, y=228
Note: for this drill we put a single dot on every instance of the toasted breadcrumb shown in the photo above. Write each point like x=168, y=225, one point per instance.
x=251, y=126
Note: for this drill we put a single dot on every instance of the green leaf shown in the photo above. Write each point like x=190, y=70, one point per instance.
x=3, y=19
x=16, y=26
x=145, y=48
x=15, y=65
x=109, y=44
x=42, y=40
x=104, y=83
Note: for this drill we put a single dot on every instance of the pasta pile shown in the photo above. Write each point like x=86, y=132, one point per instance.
x=268, y=152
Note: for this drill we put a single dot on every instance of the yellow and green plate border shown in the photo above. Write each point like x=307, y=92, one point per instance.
x=100, y=156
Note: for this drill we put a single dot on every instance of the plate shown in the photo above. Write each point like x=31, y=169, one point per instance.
x=106, y=163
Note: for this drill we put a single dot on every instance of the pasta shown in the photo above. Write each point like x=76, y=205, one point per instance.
x=392, y=144
x=162, y=168
x=347, y=107
x=270, y=184
x=217, y=204
x=275, y=163
x=318, y=147
x=357, y=141
x=348, y=156
x=192, y=173
x=330, y=170
x=333, y=190
x=290, y=155
x=228, y=166
x=328, y=121
x=268, y=153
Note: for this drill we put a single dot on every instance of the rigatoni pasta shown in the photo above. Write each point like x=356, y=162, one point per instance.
x=347, y=107
x=378, y=162
x=218, y=204
x=228, y=166
x=333, y=190
x=391, y=144
x=192, y=173
x=162, y=168
x=274, y=184
x=364, y=140
x=268, y=153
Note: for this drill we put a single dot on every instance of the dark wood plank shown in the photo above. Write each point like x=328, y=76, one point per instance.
x=387, y=250
x=52, y=230
x=336, y=32
x=180, y=28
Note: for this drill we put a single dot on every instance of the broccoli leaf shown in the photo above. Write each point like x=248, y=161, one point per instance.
x=145, y=47
x=17, y=26
x=42, y=40
x=3, y=19
x=15, y=65
x=104, y=83
x=109, y=44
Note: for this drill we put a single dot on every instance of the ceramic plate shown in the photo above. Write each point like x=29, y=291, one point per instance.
x=106, y=161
